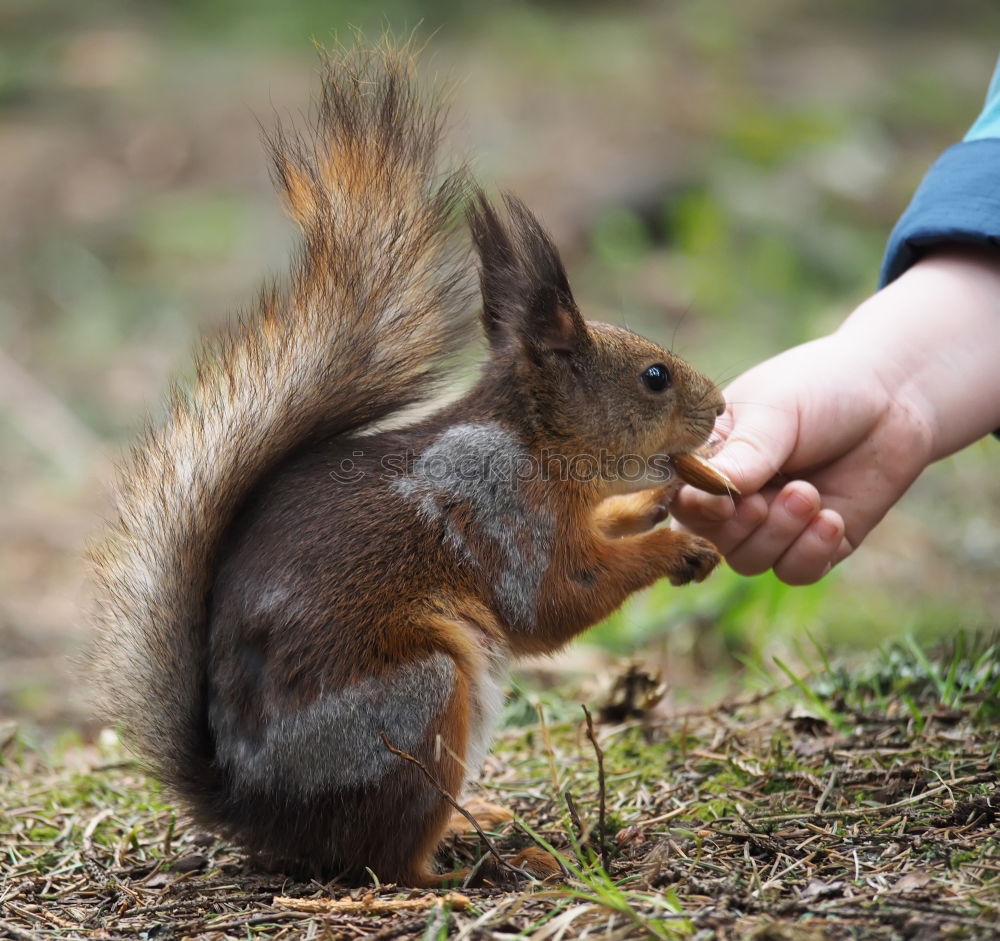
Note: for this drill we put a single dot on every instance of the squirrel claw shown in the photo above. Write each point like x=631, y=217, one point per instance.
x=695, y=561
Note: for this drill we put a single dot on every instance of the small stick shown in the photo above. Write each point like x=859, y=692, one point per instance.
x=467, y=881
x=827, y=791
x=371, y=906
x=95, y=822
x=19, y=933
x=601, y=791
x=455, y=805
x=575, y=817
x=234, y=924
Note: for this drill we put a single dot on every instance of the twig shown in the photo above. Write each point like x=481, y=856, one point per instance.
x=19, y=934
x=602, y=808
x=455, y=805
x=474, y=870
x=575, y=817
x=370, y=905
x=827, y=791
x=236, y=924
x=95, y=822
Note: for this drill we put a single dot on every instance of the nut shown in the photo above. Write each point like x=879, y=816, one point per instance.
x=697, y=472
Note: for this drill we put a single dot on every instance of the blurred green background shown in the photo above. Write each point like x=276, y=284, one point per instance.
x=720, y=175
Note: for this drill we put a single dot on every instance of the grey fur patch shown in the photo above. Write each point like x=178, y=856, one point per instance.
x=480, y=466
x=336, y=742
x=428, y=508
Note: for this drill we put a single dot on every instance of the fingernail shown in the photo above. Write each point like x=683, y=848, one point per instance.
x=826, y=530
x=799, y=505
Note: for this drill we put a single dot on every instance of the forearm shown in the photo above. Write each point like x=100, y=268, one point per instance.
x=939, y=322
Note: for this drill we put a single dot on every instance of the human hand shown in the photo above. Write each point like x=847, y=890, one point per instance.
x=818, y=413
x=824, y=438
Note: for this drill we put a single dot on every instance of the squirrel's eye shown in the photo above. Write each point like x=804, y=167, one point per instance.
x=656, y=378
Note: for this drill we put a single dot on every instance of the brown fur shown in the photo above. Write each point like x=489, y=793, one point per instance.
x=249, y=599
x=629, y=514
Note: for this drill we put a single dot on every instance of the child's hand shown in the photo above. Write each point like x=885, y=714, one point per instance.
x=824, y=438
x=820, y=414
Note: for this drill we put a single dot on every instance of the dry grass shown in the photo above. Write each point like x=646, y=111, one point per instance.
x=754, y=819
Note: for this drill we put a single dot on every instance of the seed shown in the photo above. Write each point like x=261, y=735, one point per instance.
x=697, y=472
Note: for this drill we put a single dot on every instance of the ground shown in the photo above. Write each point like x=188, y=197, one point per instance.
x=721, y=176
x=857, y=804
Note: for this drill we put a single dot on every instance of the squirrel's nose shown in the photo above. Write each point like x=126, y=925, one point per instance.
x=720, y=409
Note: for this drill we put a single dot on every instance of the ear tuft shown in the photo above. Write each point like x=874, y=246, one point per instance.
x=499, y=268
x=526, y=294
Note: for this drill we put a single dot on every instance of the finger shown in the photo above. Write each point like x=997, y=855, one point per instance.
x=814, y=553
x=867, y=479
x=754, y=451
x=844, y=551
x=726, y=535
x=790, y=512
x=761, y=439
x=696, y=509
x=862, y=487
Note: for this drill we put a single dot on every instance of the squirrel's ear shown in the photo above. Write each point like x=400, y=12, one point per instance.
x=526, y=295
x=499, y=271
x=550, y=324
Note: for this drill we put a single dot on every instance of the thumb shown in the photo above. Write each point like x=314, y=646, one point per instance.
x=760, y=440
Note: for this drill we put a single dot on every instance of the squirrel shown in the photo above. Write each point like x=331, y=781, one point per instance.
x=289, y=586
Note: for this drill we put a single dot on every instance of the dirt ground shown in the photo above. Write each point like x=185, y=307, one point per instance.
x=723, y=174
x=752, y=820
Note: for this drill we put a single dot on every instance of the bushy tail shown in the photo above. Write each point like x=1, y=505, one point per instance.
x=377, y=299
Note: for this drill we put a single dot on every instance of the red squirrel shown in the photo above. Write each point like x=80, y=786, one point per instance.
x=287, y=585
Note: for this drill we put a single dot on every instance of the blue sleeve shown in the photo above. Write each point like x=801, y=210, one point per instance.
x=959, y=198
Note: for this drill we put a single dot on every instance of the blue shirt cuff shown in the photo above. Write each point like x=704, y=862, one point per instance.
x=958, y=201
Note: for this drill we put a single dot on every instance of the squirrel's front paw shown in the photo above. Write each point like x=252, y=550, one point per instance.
x=694, y=559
